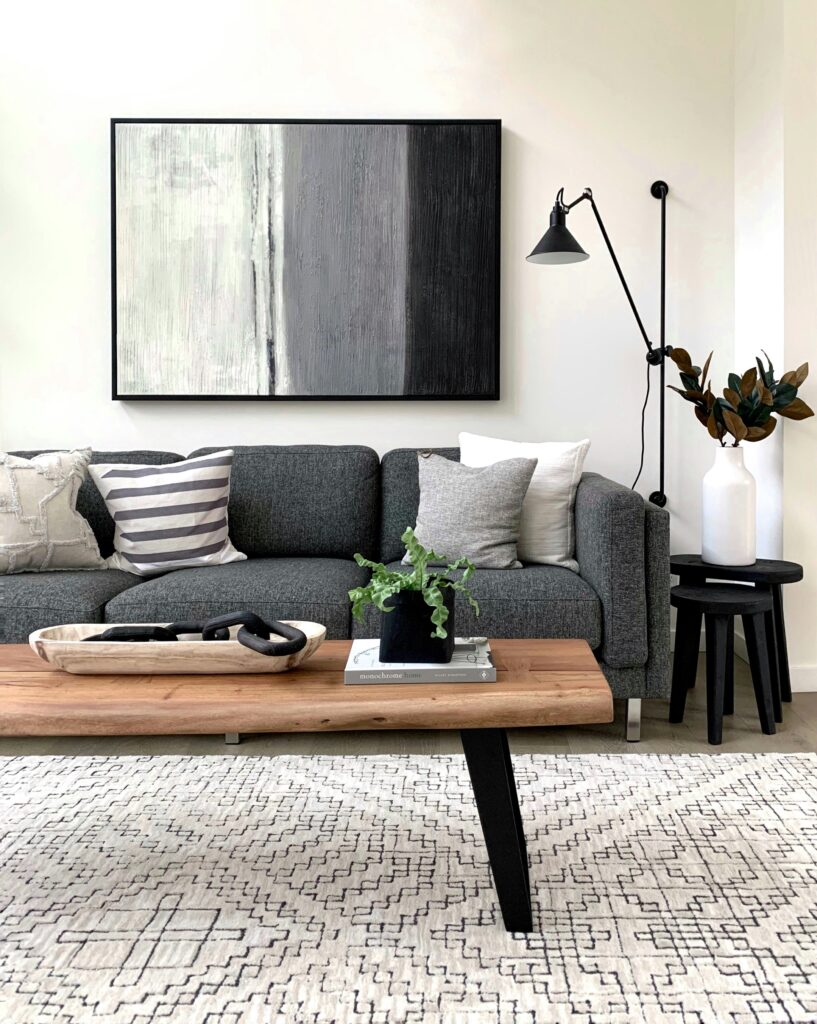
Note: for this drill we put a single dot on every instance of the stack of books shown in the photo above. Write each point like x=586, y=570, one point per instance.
x=471, y=663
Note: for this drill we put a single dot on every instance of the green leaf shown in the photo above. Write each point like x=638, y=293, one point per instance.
x=784, y=395
x=734, y=382
x=690, y=382
x=385, y=583
x=367, y=564
x=769, y=377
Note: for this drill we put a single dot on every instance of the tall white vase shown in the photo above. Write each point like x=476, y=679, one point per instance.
x=729, y=511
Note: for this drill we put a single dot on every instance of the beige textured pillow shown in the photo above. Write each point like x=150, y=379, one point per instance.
x=40, y=528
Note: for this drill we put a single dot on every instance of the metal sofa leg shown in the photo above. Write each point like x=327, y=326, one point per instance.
x=633, y=730
x=232, y=737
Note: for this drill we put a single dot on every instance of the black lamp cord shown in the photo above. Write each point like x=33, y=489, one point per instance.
x=643, y=415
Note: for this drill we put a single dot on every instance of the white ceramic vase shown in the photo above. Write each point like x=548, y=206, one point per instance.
x=729, y=511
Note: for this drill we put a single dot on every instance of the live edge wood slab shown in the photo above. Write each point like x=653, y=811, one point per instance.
x=539, y=683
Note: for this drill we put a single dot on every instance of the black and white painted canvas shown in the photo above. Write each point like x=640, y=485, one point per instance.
x=305, y=259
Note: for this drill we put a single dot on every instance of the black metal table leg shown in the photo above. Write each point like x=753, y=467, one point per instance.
x=780, y=644
x=489, y=765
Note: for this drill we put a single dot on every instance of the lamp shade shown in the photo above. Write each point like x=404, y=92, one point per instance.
x=557, y=245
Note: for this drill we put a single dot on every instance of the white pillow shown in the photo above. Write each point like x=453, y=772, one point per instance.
x=546, y=534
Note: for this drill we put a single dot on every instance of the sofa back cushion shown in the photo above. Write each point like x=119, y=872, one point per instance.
x=301, y=500
x=400, y=496
x=90, y=502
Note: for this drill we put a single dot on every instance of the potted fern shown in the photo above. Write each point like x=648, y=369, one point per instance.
x=745, y=412
x=417, y=605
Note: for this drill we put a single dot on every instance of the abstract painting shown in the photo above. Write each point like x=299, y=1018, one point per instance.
x=305, y=259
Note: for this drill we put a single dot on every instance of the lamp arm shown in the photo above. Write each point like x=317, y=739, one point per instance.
x=655, y=356
x=588, y=195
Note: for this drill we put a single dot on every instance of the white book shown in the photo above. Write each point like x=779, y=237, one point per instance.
x=471, y=663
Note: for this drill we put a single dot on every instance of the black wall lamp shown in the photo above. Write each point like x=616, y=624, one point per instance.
x=558, y=245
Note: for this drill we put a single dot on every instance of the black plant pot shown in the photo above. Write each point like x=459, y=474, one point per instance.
x=405, y=632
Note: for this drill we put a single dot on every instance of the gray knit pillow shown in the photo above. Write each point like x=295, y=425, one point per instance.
x=472, y=513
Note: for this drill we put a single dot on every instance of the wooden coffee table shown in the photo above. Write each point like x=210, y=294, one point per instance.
x=539, y=683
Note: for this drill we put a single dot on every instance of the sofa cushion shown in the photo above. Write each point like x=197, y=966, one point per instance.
x=537, y=600
x=315, y=589
x=90, y=502
x=400, y=496
x=30, y=601
x=304, y=500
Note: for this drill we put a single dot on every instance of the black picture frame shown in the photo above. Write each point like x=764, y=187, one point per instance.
x=493, y=395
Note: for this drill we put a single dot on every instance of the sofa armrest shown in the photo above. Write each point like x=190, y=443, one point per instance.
x=656, y=548
x=610, y=531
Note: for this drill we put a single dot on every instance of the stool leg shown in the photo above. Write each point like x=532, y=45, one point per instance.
x=717, y=627
x=774, y=666
x=729, y=689
x=780, y=643
x=685, y=660
x=758, y=651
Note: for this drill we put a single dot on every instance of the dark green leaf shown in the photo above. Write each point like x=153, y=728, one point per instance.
x=769, y=377
x=784, y=395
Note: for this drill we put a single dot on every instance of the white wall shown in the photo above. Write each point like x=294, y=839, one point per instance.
x=592, y=92
x=800, y=439
x=776, y=278
x=759, y=236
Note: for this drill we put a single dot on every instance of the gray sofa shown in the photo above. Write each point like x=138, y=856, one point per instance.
x=300, y=513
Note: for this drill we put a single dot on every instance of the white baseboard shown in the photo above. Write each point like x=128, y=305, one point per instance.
x=803, y=677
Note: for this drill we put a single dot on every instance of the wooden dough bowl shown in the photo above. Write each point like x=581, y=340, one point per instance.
x=63, y=647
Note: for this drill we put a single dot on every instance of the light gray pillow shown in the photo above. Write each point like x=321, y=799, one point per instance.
x=472, y=512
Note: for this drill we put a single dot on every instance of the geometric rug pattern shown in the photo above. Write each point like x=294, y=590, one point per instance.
x=250, y=890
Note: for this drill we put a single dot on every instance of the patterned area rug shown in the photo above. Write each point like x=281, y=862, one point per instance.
x=246, y=890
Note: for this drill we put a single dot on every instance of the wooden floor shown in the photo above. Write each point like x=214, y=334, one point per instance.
x=797, y=734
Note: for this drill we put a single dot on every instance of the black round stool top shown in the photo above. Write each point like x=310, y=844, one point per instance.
x=722, y=598
x=764, y=570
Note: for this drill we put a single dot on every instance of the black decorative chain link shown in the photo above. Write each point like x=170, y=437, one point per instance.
x=254, y=633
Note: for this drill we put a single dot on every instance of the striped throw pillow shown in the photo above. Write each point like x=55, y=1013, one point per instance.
x=168, y=517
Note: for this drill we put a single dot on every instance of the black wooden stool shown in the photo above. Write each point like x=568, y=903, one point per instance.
x=717, y=604
x=766, y=574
